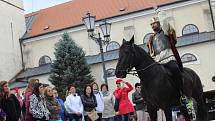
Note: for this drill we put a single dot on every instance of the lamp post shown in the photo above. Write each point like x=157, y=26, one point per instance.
x=211, y=12
x=89, y=22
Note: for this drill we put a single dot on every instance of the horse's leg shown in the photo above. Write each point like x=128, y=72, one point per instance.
x=168, y=113
x=152, y=112
x=195, y=92
x=200, y=107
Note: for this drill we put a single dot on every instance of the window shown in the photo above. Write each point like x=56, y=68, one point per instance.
x=129, y=31
x=146, y=38
x=44, y=60
x=190, y=29
x=213, y=78
x=110, y=72
x=112, y=46
x=188, y=57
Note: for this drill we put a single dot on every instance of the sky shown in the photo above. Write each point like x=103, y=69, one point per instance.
x=35, y=5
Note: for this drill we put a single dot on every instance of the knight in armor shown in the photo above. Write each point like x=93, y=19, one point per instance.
x=163, y=50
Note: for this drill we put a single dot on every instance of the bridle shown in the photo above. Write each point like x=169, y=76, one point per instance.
x=135, y=72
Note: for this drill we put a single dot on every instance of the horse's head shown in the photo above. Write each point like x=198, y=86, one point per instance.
x=126, y=58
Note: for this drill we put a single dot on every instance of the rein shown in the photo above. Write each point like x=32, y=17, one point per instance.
x=134, y=72
x=143, y=69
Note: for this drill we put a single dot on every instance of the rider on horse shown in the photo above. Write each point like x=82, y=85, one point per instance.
x=162, y=49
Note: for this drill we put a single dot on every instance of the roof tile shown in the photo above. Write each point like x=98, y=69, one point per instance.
x=69, y=14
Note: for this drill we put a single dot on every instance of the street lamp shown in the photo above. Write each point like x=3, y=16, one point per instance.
x=89, y=22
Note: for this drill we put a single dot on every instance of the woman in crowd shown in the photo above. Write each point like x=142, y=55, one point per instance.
x=9, y=103
x=99, y=100
x=20, y=99
x=89, y=102
x=26, y=102
x=121, y=93
x=52, y=105
x=109, y=100
x=38, y=106
x=60, y=101
x=73, y=105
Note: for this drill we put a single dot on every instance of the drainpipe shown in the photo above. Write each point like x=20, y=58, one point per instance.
x=20, y=44
x=211, y=11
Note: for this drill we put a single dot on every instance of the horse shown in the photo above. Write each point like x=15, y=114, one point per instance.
x=159, y=88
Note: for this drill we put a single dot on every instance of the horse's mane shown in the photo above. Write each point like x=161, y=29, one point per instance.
x=141, y=52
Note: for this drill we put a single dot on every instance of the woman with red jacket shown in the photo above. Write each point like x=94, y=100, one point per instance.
x=121, y=94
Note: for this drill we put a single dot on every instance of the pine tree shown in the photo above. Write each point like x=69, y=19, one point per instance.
x=70, y=66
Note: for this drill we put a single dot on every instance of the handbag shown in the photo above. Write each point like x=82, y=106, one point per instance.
x=116, y=105
x=93, y=115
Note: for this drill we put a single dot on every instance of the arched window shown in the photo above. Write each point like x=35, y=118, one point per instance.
x=110, y=72
x=190, y=29
x=213, y=78
x=146, y=38
x=44, y=60
x=188, y=57
x=112, y=46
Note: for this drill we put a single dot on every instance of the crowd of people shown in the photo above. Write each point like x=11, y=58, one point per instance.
x=41, y=102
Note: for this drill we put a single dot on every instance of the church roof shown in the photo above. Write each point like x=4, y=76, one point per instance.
x=69, y=14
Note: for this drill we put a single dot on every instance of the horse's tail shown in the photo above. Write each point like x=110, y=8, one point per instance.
x=197, y=94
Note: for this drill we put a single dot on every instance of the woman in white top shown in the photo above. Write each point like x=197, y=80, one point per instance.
x=99, y=100
x=109, y=100
x=73, y=105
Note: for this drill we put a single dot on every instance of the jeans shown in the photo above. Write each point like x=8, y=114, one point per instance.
x=74, y=117
x=108, y=119
x=118, y=118
x=126, y=117
x=141, y=115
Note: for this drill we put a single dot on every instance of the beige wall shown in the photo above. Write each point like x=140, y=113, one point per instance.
x=206, y=68
x=18, y=3
x=12, y=22
x=190, y=14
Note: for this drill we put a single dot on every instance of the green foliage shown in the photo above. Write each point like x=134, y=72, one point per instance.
x=70, y=66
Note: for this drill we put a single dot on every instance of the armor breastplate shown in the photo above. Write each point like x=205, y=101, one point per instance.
x=160, y=42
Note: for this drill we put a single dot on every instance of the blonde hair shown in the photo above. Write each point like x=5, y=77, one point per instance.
x=30, y=86
x=46, y=90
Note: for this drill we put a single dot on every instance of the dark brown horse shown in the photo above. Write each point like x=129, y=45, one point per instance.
x=159, y=88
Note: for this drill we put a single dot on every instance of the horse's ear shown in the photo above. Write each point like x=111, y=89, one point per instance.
x=132, y=40
x=123, y=41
